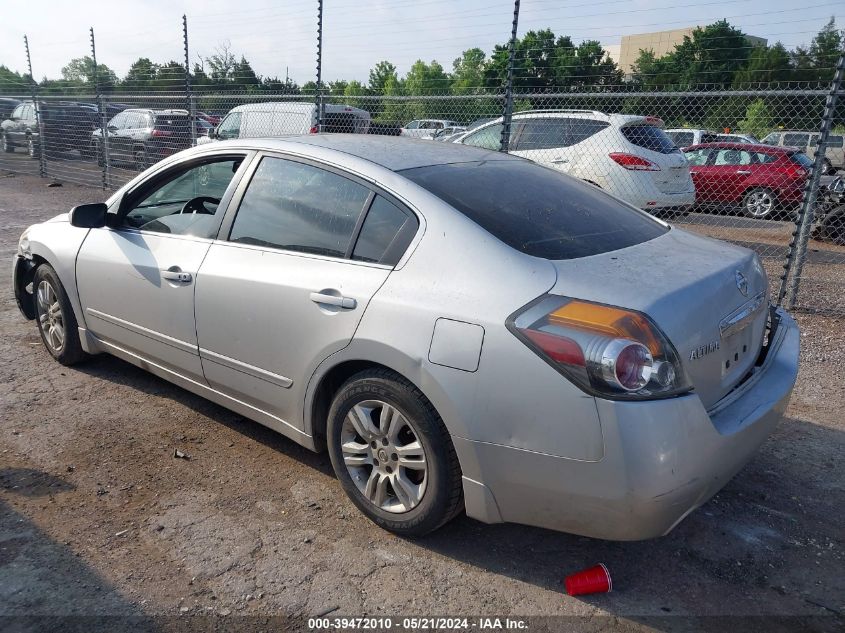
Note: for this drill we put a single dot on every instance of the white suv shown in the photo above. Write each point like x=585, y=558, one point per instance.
x=629, y=156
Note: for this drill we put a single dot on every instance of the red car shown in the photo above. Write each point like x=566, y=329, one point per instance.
x=762, y=178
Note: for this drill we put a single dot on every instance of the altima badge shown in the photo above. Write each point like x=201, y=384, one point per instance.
x=741, y=283
x=703, y=350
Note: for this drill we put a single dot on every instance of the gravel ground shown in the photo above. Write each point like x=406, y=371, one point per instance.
x=98, y=518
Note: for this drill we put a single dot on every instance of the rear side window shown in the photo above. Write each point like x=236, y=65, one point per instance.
x=834, y=141
x=582, y=129
x=173, y=123
x=796, y=140
x=386, y=233
x=682, y=139
x=649, y=137
x=536, y=210
x=298, y=207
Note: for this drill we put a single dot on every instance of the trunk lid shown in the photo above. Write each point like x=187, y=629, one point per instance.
x=692, y=287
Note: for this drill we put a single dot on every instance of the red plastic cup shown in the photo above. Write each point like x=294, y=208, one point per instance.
x=593, y=580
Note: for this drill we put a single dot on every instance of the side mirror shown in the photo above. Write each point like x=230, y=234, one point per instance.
x=89, y=216
x=212, y=133
x=111, y=128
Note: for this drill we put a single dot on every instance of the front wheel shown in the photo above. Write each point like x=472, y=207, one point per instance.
x=393, y=455
x=7, y=146
x=139, y=158
x=54, y=316
x=834, y=226
x=759, y=203
x=828, y=167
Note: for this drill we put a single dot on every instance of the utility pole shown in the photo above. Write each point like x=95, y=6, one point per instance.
x=189, y=98
x=102, y=148
x=42, y=171
x=319, y=101
x=507, y=112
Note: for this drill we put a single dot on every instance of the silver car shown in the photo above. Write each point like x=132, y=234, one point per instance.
x=461, y=329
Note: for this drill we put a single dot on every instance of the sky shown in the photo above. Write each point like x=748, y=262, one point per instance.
x=279, y=37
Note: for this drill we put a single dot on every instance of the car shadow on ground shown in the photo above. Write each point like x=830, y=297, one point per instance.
x=745, y=552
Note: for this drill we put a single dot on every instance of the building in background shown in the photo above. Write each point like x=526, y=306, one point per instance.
x=661, y=42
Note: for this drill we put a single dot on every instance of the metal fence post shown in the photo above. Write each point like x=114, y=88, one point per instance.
x=507, y=111
x=797, y=255
x=33, y=86
x=319, y=96
x=101, y=107
x=189, y=100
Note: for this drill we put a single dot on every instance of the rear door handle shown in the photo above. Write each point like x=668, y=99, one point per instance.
x=177, y=275
x=743, y=172
x=558, y=161
x=348, y=303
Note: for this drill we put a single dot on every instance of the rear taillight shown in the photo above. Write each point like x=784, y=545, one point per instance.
x=160, y=133
x=633, y=162
x=314, y=130
x=607, y=351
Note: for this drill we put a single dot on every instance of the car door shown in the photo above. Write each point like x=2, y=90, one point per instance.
x=545, y=140
x=285, y=289
x=15, y=130
x=117, y=140
x=731, y=171
x=703, y=175
x=136, y=277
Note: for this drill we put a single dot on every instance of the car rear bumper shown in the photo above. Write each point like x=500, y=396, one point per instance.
x=662, y=459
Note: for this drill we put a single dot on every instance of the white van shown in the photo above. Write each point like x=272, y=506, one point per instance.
x=261, y=120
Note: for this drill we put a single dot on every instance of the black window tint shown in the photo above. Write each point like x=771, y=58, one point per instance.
x=537, y=210
x=544, y=134
x=649, y=137
x=298, y=207
x=340, y=122
x=582, y=129
x=386, y=233
x=834, y=141
x=796, y=140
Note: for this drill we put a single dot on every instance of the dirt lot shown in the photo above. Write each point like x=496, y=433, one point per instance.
x=98, y=518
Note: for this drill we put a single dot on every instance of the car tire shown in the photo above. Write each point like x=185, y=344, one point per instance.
x=31, y=147
x=139, y=158
x=833, y=226
x=403, y=476
x=98, y=153
x=828, y=168
x=55, y=318
x=760, y=203
x=7, y=145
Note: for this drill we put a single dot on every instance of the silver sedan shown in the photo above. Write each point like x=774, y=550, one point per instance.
x=460, y=329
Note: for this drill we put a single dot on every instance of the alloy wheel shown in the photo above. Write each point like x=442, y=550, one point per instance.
x=50, y=316
x=760, y=203
x=384, y=456
x=30, y=147
x=6, y=146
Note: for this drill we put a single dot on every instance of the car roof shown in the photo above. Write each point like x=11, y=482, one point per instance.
x=754, y=147
x=274, y=106
x=392, y=152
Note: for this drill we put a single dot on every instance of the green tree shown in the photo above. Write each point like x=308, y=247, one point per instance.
x=758, y=119
x=356, y=89
x=79, y=72
x=380, y=74
x=468, y=71
x=141, y=74
x=766, y=64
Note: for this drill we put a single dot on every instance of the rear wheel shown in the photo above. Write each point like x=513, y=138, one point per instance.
x=392, y=454
x=759, y=203
x=31, y=147
x=54, y=317
x=7, y=146
x=828, y=167
x=834, y=226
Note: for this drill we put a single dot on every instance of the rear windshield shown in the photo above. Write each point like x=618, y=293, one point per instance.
x=649, y=137
x=173, y=123
x=802, y=159
x=537, y=210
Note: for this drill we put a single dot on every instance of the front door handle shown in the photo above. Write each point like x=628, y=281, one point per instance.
x=348, y=303
x=177, y=276
x=559, y=161
x=743, y=172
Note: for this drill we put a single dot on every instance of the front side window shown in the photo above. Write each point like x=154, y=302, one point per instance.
x=682, y=139
x=536, y=210
x=772, y=139
x=413, y=125
x=386, y=233
x=186, y=203
x=230, y=127
x=298, y=207
x=18, y=112
x=764, y=158
x=118, y=122
x=544, y=134
x=489, y=137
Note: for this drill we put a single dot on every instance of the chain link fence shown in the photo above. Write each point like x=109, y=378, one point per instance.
x=729, y=164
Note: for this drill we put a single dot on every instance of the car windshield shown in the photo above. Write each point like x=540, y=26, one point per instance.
x=537, y=210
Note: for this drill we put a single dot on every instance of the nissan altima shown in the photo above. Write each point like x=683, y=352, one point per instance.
x=461, y=330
